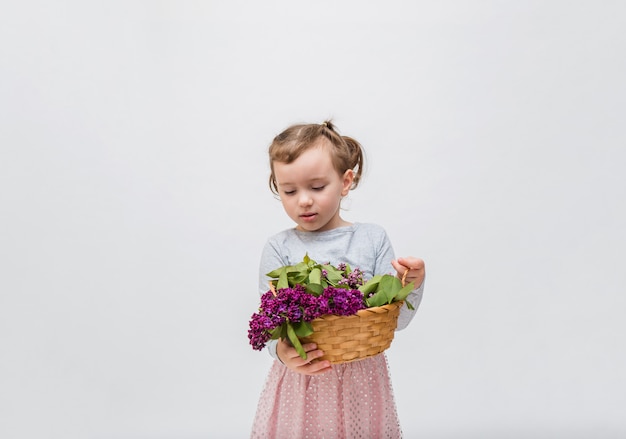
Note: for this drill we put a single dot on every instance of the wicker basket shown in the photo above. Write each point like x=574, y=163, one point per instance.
x=350, y=338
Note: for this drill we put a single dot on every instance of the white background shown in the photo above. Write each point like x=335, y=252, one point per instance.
x=134, y=205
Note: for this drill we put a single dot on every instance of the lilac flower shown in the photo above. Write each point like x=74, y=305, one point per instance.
x=296, y=305
x=341, y=301
x=287, y=305
x=259, y=332
x=293, y=305
x=353, y=280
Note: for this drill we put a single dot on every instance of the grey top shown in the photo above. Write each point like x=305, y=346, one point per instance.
x=361, y=245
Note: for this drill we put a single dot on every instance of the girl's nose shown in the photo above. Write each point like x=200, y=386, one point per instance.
x=305, y=199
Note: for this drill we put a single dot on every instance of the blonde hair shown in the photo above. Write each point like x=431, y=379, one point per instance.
x=346, y=153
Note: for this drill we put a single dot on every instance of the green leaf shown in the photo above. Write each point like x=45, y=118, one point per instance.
x=302, y=267
x=275, y=333
x=275, y=273
x=333, y=274
x=378, y=299
x=293, y=338
x=298, y=277
x=303, y=329
x=404, y=292
x=371, y=285
x=315, y=289
x=390, y=285
x=408, y=305
x=315, y=276
x=283, y=282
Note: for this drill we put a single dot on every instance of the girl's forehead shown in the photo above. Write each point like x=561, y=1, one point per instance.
x=312, y=164
x=318, y=155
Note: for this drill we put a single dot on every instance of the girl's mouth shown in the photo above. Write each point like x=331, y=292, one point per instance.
x=308, y=216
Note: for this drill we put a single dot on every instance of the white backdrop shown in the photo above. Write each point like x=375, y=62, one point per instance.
x=134, y=205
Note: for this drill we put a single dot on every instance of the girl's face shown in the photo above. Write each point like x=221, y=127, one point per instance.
x=311, y=190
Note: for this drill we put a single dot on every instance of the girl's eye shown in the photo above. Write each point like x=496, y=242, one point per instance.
x=319, y=188
x=289, y=192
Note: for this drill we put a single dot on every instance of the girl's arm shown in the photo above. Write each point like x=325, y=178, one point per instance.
x=386, y=263
x=416, y=274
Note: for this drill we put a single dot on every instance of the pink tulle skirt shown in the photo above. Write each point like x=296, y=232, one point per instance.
x=353, y=400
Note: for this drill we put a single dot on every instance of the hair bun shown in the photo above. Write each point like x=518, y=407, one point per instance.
x=328, y=124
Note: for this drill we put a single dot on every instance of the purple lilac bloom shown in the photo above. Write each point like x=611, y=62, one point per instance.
x=296, y=305
x=353, y=280
x=289, y=304
x=341, y=301
x=259, y=332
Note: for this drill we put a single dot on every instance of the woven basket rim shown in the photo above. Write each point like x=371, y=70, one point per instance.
x=396, y=304
x=374, y=333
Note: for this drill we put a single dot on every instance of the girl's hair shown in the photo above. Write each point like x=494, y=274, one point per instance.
x=346, y=153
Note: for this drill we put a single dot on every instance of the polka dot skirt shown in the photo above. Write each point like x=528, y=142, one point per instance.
x=353, y=400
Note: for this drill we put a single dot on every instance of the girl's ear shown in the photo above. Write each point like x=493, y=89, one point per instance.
x=348, y=178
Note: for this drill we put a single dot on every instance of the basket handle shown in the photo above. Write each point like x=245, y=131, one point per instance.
x=404, y=277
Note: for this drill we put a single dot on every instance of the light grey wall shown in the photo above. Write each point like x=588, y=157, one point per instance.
x=134, y=205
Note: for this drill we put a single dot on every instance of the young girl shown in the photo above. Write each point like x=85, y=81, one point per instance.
x=312, y=169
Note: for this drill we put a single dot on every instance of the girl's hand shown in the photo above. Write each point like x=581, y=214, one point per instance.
x=416, y=268
x=290, y=358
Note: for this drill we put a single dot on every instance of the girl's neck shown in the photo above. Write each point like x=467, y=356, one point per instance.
x=339, y=225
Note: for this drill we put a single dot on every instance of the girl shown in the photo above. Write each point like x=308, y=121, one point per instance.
x=312, y=169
